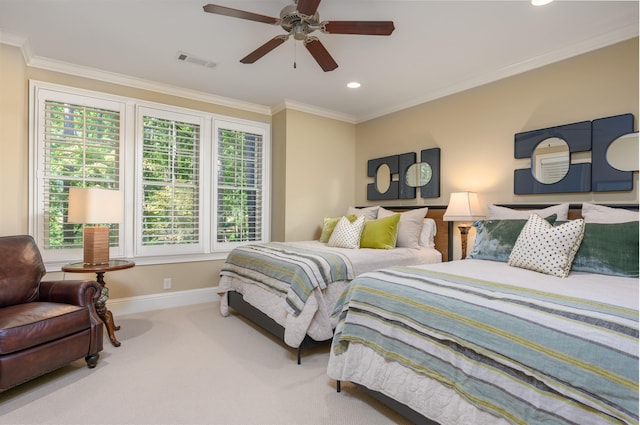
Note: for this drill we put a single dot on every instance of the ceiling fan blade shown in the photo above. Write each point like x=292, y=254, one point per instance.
x=235, y=13
x=308, y=7
x=320, y=54
x=358, y=27
x=264, y=49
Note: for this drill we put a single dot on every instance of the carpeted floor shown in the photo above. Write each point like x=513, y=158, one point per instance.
x=190, y=365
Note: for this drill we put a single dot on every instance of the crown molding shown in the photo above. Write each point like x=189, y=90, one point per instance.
x=17, y=41
x=140, y=83
x=314, y=110
x=124, y=80
x=621, y=34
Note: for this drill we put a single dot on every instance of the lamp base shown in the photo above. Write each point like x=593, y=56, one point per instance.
x=464, y=231
x=96, y=245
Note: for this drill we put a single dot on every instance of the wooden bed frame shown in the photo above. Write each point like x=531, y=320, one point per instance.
x=443, y=240
x=404, y=410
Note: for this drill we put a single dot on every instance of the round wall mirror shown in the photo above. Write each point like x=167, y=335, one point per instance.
x=418, y=174
x=550, y=160
x=383, y=178
x=622, y=153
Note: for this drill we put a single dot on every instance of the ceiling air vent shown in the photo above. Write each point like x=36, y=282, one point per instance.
x=187, y=57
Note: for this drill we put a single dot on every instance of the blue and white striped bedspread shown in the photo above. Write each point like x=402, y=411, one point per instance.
x=291, y=272
x=525, y=355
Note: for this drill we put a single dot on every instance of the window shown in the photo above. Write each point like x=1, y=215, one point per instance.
x=169, y=181
x=78, y=145
x=240, y=192
x=195, y=184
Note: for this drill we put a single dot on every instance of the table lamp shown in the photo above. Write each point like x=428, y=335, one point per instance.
x=463, y=206
x=92, y=205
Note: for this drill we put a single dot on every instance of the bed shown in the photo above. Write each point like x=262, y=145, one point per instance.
x=299, y=312
x=484, y=342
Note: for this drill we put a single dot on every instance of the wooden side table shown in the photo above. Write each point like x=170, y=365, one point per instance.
x=101, y=304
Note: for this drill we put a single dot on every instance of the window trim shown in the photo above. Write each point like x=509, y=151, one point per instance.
x=130, y=152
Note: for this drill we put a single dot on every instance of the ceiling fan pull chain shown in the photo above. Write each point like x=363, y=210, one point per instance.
x=295, y=54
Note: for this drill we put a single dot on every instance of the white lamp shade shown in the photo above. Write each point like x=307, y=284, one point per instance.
x=95, y=205
x=463, y=206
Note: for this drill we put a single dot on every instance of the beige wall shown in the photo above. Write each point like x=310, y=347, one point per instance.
x=312, y=173
x=278, y=175
x=14, y=80
x=319, y=164
x=305, y=146
x=319, y=172
x=14, y=148
x=475, y=128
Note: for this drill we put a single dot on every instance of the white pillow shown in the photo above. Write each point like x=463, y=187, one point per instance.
x=593, y=213
x=503, y=213
x=409, y=227
x=370, y=213
x=347, y=234
x=428, y=233
x=547, y=249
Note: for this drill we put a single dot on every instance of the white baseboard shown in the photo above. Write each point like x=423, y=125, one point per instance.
x=138, y=304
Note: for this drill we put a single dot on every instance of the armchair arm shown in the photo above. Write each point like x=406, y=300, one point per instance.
x=78, y=292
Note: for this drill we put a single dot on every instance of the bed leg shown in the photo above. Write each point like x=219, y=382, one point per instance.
x=338, y=386
x=299, y=352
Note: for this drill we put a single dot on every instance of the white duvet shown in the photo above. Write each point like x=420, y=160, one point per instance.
x=430, y=398
x=314, y=320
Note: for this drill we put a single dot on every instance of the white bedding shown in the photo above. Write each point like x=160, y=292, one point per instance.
x=434, y=400
x=314, y=320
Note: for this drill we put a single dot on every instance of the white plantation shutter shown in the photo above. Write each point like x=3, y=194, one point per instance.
x=240, y=186
x=553, y=170
x=195, y=184
x=80, y=147
x=170, y=168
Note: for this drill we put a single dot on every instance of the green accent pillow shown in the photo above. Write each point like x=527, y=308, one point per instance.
x=381, y=233
x=329, y=224
x=495, y=239
x=610, y=249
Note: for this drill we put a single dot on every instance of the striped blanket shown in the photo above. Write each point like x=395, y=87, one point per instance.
x=524, y=355
x=291, y=272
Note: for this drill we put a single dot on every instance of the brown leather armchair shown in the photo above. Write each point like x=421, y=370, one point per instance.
x=43, y=325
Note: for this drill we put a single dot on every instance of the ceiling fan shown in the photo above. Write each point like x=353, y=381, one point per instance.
x=299, y=20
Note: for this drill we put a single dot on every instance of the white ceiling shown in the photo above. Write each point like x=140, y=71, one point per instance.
x=438, y=47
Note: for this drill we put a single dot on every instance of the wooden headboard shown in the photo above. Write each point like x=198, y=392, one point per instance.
x=444, y=232
x=442, y=239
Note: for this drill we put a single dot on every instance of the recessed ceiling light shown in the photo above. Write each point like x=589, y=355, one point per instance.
x=540, y=2
x=353, y=85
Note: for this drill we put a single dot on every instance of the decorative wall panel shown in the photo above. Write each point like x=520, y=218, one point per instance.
x=405, y=175
x=432, y=188
x=578, y=177
x=604, y=177
x=597, y=176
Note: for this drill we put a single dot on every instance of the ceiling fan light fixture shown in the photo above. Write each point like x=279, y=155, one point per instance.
x=540, y=2
x=298, y=32
x=353, y=85
x=301, y=19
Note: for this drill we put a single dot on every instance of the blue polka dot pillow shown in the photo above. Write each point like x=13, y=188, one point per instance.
x=547, y=249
